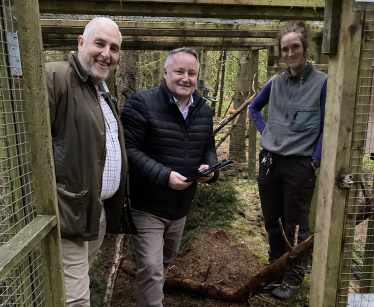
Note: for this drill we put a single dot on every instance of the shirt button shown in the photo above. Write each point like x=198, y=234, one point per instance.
x=102, y=133
x=99, y=161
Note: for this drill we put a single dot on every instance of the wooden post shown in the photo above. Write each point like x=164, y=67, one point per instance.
x=37, y=112
x=336, y=156
x=332, y=16
x=252, y=130
x=318, y=51
x=271, y=61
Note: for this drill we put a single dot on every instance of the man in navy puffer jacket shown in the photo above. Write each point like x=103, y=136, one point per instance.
x=169, y=135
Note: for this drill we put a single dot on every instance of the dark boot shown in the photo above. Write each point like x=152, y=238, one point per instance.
x=284, y=291
x=270, y=287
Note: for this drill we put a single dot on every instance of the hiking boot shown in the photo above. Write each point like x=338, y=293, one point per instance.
x=270, y=287
x=284, y=291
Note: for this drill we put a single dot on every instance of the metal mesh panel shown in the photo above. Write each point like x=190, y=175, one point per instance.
x=16, y=193
x=24, y=286
x=357, y=275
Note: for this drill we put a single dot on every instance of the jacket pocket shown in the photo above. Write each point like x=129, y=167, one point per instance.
x=72, y=210
x=306, y=119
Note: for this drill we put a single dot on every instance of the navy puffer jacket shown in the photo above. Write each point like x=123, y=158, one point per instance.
x=159, y=140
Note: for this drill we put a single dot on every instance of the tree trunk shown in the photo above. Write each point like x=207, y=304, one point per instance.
x=222, y=87
x=237, y=148
x=126, y=76
x=156, y=78
x=216, y=85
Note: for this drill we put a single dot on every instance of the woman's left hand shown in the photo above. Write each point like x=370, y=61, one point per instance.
x=313, y=166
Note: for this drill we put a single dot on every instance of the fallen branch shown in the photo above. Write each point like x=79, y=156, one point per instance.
x=118, y=257
x=233, y=126
x=277, y=268
x=253, y=287
x=239, y=110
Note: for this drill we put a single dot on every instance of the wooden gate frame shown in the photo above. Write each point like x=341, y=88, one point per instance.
x=44, y=229
x=337, y=152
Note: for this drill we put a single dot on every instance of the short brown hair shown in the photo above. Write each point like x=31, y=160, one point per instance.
x=185, y=50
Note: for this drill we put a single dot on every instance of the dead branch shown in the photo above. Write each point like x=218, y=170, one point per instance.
x=283, y=234
x=118, y=257
x=277, y=268
x=296, y=235
x=254, y=286
x=239, y=110
x=233, y=126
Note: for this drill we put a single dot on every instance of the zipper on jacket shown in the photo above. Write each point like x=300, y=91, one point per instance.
x=294, y=117
x=290, y=98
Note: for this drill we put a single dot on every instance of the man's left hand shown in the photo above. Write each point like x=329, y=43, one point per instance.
x=207, y=177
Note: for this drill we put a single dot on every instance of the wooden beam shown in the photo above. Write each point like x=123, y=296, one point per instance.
x=165, y=9
x=165, y=45
x=174, y=25
x=336, y=159
x=168, y=32
x=273, y=3
x=40, y=141
x=17, y=248
x=331, y=26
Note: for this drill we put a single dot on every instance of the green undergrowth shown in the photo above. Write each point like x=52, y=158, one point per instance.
x=214, y=206
x=97, y=285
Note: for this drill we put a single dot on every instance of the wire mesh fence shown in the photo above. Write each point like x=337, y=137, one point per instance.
x=24, y=285
x=357, y=275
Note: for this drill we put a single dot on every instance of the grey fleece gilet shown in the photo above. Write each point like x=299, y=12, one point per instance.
x=294, y=119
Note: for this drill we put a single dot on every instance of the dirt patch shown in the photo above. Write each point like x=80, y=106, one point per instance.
x=219, y=258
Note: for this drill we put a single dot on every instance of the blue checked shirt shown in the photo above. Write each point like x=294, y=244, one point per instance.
x=113, y=159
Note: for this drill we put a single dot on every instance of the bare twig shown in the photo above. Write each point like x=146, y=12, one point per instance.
x=253, y=83
x=296, y=235
x=259, y=296
x=207, y=273
x=284, y=235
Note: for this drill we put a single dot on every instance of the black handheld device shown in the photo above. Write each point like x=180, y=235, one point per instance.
x=210, y=169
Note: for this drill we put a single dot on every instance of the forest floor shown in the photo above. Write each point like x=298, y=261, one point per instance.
x=233, y=254
x=225, y=250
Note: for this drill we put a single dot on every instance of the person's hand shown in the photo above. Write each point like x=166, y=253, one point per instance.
x=207, y=177
x=177, y=181
x=313, y=166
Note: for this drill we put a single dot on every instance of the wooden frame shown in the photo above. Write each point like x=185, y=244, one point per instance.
x=45, y=229
x=255, y=9
x=336, y=158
